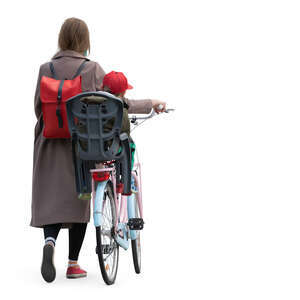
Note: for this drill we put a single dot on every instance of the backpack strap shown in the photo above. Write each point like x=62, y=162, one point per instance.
x=79, y=69
x=58, y=109
x=53, y=73
x=125, y=105
x=52, y=70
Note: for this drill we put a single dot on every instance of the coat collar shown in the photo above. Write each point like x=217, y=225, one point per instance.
x=69, y=53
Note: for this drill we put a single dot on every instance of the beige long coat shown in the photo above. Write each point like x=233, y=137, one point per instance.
x=54, y=197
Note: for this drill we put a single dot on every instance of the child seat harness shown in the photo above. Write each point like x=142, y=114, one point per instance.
x=54, y=93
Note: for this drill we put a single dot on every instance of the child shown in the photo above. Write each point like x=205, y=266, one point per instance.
x=116, y=83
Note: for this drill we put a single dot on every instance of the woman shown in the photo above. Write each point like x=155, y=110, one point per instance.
x=55, y=203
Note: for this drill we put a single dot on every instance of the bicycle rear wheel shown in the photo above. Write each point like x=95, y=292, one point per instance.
x=107, y=249
x=136, y=244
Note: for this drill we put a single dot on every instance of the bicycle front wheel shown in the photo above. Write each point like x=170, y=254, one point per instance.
x=136, y=243
x=107, y=249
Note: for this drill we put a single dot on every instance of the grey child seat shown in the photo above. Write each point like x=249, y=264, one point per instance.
x=102, y=137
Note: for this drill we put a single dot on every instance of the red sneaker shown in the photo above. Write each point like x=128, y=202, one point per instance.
x=75, y=272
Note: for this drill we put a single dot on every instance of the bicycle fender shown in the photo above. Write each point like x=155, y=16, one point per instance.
x=98, y=203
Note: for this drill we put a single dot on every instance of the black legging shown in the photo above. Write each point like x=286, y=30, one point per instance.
x=76, y=236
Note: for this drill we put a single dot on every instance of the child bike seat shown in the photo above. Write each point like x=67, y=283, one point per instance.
x=95, y=121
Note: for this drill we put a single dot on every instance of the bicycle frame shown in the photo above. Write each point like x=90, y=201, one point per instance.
x=125, y=205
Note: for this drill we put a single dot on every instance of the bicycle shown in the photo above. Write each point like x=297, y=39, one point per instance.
x=117, y=205
x=118, y=218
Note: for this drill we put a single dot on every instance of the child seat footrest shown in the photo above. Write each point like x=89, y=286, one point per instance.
x=135, y=224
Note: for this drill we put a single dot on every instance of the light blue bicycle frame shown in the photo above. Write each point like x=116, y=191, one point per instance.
x=125, y=211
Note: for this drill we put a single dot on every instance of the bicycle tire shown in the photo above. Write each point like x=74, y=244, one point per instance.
x=136, y=244
x=108, y=194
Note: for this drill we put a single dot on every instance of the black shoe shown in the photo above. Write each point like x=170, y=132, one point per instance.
x=48, y=268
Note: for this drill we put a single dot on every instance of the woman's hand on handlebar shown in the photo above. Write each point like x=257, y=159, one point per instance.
x=158, y=106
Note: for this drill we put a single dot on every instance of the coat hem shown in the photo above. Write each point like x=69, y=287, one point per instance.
x=42, y=224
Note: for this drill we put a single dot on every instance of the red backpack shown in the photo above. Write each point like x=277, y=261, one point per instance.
x=54, y=93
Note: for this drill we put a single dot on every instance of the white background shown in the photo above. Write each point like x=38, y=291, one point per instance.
x=221, y=175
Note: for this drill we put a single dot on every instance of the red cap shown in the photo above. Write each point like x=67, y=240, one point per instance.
x=116, y=82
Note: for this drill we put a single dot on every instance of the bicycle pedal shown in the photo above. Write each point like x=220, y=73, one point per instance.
x=135, y=224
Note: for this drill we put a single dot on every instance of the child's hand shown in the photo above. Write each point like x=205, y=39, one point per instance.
x=158, y=106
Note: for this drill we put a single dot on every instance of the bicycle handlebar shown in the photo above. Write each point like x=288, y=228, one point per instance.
x=151, y=114
x=134, y=119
